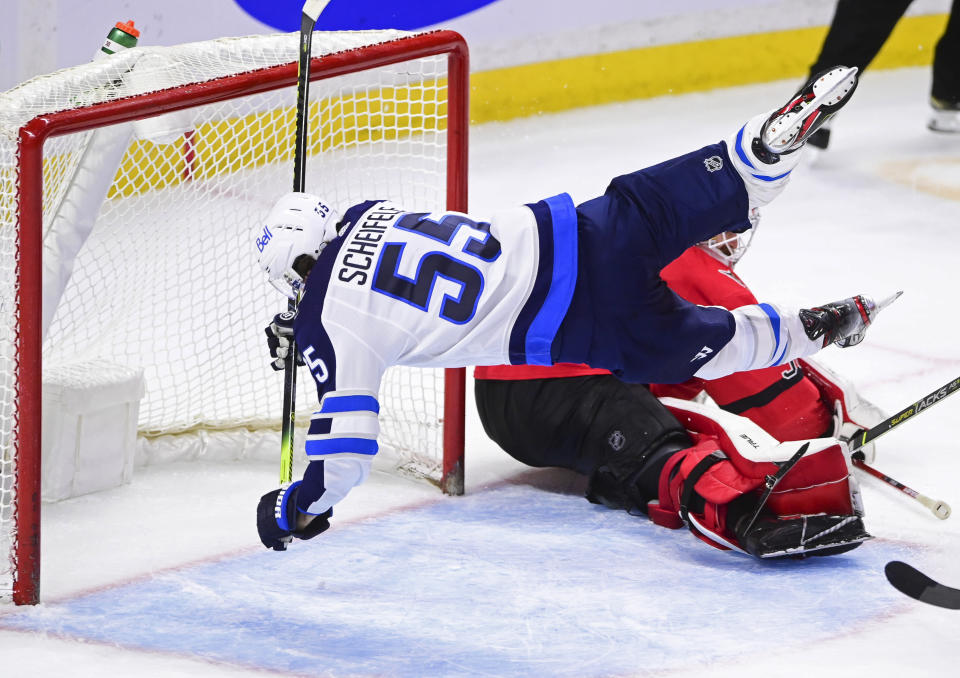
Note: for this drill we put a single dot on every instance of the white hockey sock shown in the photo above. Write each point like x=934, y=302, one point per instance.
x=763, y=182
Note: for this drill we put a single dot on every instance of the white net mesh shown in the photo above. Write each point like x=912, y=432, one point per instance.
x=167, y=279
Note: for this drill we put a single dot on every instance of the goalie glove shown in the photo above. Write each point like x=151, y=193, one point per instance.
x=852, y=412
x=843, y=323
x=277, y=519
x=280, y=338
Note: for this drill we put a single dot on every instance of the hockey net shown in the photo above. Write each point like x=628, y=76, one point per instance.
x=145, y=223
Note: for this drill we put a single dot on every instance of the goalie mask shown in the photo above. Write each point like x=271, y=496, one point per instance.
x=728, y=247
x=299, y=225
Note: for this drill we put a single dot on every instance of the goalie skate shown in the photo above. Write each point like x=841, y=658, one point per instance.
x=819, y=100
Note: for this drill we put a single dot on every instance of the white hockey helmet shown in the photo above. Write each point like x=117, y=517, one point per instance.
x=299, y=224
x=728, y=247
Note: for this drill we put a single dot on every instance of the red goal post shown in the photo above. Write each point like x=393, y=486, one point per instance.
x=388, y=95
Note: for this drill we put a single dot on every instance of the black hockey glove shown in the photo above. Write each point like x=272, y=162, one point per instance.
x=279, y=338
x=277, y=519
x=843, y=323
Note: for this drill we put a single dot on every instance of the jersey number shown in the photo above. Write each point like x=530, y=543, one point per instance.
x=317, y=367
x=418, y=290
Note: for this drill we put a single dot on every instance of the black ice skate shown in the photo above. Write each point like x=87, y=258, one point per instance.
x=789, y=127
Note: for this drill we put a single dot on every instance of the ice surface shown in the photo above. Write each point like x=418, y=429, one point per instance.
x=522, y=577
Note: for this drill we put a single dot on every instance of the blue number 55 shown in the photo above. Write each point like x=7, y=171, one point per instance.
x=418, y=290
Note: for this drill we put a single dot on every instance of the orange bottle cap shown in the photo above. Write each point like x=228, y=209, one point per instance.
x=128, y=28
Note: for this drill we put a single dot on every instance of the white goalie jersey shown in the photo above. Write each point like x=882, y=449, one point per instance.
x=424, y=290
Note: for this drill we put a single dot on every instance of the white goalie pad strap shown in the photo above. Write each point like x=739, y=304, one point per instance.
x=713, y=536
x=765, y=335
x=749, y=440
x=744, y=435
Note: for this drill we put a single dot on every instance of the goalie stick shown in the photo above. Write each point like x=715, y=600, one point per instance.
x=308, y=19
x=903, y=415
x=914, y=583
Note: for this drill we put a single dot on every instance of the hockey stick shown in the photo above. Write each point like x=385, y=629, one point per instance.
x=892, y=422
x=940, y=509
x=914, y=583
x=308, y=19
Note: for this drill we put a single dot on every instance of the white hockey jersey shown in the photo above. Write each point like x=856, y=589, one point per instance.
x=448, y=290
x=438, y=290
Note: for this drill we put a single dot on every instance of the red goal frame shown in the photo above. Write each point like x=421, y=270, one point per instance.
x=29, y=201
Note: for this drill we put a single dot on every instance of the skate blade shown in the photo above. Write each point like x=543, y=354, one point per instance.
x=829, y=90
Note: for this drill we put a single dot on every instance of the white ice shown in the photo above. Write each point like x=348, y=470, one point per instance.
x=522, y=577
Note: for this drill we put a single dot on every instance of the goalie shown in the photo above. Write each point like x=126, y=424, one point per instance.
x=540, y=284
x=625, y=441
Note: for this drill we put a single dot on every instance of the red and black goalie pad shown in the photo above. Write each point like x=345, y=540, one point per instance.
x=723, y=477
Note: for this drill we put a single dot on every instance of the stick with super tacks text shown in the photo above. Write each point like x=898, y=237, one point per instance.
x=939, y=508
x=895, y=420
x=308, y=19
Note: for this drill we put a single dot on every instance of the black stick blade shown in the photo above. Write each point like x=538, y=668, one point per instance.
x=914, y=583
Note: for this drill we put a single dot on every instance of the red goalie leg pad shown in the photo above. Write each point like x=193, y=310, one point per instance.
x=820, y=482
x=696, y=485
x=681, y=493
x=665, y=512
x=730, y=461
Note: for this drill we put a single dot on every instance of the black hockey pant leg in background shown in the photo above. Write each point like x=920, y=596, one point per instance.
x=858, y=31
x=629, y=442
x=578, y=423
x=540, y=422
x=946, y=60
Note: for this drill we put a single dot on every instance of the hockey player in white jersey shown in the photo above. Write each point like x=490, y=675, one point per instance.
x=538, y=284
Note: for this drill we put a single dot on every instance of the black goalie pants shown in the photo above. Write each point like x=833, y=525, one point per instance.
x=578, y=423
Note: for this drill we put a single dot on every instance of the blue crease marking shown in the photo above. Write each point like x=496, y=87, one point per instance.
x=514, y=581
